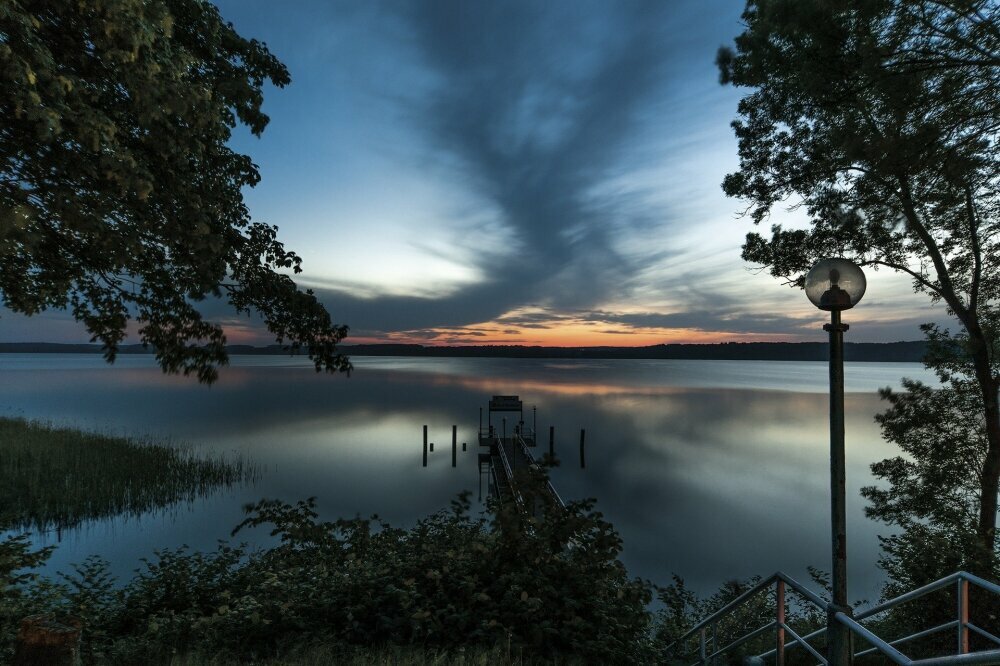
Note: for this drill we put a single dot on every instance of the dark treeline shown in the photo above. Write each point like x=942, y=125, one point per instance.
x=912, y=352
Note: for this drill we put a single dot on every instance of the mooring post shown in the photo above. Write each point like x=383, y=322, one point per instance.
x=463, y=445
x=432, y=447
x=552, y=443
x=425, y=446
x=454, y=445
x=583, y=460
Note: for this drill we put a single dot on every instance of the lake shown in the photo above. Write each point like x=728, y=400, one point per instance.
x=709, y=469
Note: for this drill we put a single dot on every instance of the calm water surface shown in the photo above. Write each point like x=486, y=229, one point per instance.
x=709, y=469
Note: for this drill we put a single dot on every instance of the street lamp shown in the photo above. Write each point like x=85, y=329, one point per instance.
x=836, y=285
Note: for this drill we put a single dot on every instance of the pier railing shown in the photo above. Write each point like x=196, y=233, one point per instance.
x=508, y=471
x=704, y=634
x=531, y=461
x=487, y=432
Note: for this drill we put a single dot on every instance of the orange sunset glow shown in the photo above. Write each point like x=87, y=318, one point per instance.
x=566, y=334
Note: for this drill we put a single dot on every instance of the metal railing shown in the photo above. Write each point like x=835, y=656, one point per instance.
x=486, y=431
x=495, y=480
x=525, y=431
x=708, y=649
x=502, y=454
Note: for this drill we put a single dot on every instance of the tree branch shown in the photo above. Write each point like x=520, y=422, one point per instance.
x=946, y=289
x=927, y=284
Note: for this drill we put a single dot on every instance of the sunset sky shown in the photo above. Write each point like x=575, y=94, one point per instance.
x=477, y=172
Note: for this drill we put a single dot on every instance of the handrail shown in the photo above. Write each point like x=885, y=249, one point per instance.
x=984, y=633
x=892, y=653
x=912, y=637
x=749, y=593
x=803, y=641
x=927, y=589
x=742, y=639
x=886, y=648
x=496, y=481
x=510, y=474
x=985, y=657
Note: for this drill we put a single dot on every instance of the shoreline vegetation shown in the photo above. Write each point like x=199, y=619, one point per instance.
x=501, y=588
x=880, y=352
x=56, y=477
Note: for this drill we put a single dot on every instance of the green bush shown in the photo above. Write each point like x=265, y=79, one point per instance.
x=550, y=586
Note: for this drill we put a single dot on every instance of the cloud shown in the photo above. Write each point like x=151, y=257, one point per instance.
x=534, y=108
x=722, y=319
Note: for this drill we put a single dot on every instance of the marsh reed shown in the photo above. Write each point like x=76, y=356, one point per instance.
x=56, y=477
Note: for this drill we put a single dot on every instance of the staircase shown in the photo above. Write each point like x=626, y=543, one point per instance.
x=699, y=644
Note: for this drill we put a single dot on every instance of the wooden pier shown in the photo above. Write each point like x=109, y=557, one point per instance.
x=508, y=461
x=509, y=458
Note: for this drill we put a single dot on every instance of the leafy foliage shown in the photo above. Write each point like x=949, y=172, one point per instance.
x=22, y=592
x=880, y=118
x=682, y=609
x=119, y=195
x=930, y=495
x=551, y=587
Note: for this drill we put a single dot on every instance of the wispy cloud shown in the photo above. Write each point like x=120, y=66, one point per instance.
x=533, y=107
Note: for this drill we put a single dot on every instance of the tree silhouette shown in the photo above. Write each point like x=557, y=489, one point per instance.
x=119, y=196
x=880, y=118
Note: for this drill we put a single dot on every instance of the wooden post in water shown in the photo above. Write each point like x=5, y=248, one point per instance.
x=432, y=447
x=583, y=460
x=454, y=446
x=463, y=445
x=552, y=443
x=425, y=446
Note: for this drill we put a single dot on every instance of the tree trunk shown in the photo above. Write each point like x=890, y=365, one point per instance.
x=990, y=479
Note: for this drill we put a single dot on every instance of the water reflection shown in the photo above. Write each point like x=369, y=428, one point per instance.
x=706, y=468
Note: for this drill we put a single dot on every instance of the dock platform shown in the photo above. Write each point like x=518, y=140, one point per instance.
x=509, y=456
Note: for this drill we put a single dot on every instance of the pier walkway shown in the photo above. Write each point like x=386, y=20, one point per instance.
x=509, y=458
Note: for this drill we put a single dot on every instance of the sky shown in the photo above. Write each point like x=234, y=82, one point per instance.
x=537, y=173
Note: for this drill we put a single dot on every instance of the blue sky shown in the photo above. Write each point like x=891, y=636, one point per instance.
x=544, y=172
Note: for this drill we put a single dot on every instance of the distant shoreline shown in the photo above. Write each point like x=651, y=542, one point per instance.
x=892, y=352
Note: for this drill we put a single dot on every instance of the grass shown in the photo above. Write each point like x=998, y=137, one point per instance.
x=53, y=477
x=383, y=656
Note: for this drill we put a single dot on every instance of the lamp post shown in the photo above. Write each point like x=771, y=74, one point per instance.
x=836, y=285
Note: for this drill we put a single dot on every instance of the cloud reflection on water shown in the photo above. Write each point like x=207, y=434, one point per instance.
x=701, y=478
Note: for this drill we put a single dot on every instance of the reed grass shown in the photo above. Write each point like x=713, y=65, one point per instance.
x=55, y=477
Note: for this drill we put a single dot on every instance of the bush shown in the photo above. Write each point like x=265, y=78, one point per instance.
x=549, y=586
